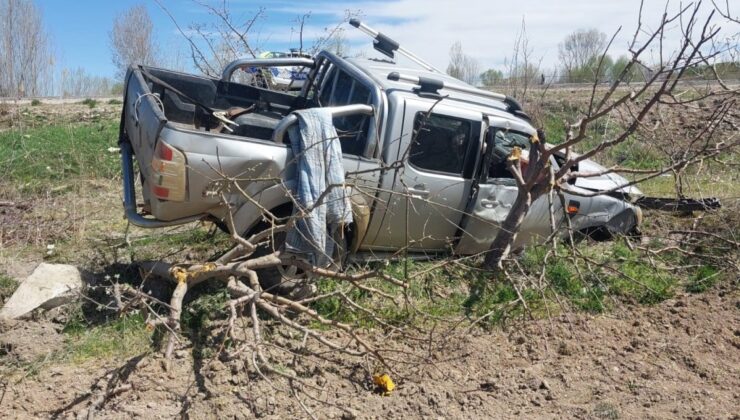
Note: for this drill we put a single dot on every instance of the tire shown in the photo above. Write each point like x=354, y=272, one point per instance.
x=625, y=223
x=288, y=280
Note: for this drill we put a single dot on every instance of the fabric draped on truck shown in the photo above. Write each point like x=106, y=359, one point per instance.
x=322, y=201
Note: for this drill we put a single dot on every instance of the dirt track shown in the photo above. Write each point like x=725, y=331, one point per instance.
x=680, y=359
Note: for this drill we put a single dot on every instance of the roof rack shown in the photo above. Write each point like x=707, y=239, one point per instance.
x=431, y=86
x=388, y=46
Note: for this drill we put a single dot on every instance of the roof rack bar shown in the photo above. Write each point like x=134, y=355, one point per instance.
x=439, y=84
x=264, y=62
x=387, y=45
x=337, y=111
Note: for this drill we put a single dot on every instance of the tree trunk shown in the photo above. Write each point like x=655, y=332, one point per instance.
x=501, y=245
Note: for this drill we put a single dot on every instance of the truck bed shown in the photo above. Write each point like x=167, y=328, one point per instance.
x=269, y=106
x=154, y=111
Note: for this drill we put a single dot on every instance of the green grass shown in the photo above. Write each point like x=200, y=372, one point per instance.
x=204, y=309
x=439, y=293
x=7, y=287
x=703, y=279
x=616, y=274
x=35, y=102
x=44, y=156
x=91, y=103
x=119, y=338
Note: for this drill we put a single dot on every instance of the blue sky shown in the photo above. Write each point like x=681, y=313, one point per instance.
x=486, y=28
x=79, y=28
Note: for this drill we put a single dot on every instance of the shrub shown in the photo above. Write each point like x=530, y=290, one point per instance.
x=91, y=103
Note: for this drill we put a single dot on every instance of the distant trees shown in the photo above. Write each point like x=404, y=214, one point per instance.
x=132, y=40
x=462, y=66
x=491, y=77
x=522, y=68
x=78, y=83
x=26, y=57
x=633, y=73
x=582, y=60
x=579, y=54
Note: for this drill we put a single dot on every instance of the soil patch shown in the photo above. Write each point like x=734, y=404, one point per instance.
x=679, y=359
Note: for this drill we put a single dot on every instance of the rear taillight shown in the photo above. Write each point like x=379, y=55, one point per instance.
x=164, y=151
x=169, y=178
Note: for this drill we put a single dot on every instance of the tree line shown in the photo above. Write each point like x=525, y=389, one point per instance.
x=581, y=59
x=28, y=58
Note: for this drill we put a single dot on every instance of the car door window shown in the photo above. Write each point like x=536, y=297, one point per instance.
x=504, y=142
x=440, y=143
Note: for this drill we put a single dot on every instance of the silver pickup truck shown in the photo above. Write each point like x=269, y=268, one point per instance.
x=419, y=145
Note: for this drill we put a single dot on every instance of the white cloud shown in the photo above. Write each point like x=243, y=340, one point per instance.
x=487, y=28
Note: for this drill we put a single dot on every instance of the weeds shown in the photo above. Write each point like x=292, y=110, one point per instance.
x=621, y=275
x=7, y=287
x=35, y=102
x=606, y=411
x=91, y=103
x=703, y=279
x=122, y=337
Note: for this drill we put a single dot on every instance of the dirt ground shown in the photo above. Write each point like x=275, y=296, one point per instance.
x=679, y=359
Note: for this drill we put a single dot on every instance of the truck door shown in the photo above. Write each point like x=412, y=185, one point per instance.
x=439, y=149
x=495, y=190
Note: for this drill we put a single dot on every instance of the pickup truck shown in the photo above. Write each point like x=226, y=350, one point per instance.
x=419, y=145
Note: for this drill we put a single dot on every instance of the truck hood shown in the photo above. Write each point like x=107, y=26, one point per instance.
x=606, y=182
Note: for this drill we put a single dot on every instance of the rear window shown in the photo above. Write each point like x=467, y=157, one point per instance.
x=342, y=89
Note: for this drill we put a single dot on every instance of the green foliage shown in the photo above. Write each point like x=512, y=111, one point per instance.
x=7, y=287
x=437, y=293
x=634, y=278
x=205, y=308
x=615, y=273
x=606, y=411
x=595, y=69
x=91, y=103
x=117, y=89
x=554, y=129
x=725, y=70
x=632, y=75
x=633, y=153
x=37, y=157
x=123, y=337
x=491, y=77
x=115, y=102
x=703, y=279
x=35, y=102
x=492, y=298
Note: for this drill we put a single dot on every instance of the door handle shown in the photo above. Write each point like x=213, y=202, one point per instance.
x=488, y=204
x=419, y=190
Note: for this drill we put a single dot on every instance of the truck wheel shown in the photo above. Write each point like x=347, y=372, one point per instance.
x=288, y=280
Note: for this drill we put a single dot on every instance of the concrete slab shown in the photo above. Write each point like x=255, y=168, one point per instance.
x=49, y=286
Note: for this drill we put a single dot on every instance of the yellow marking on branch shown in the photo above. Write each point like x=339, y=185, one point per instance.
x=182, y=275
x=516, y=153
x=179, y=274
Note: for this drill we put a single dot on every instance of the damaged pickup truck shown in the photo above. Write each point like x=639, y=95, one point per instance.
x=414, y=142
